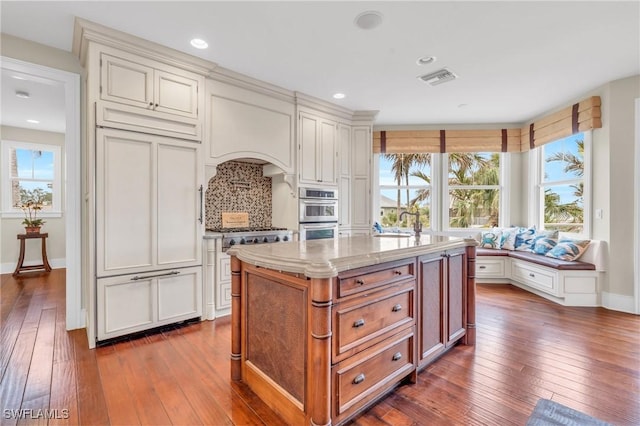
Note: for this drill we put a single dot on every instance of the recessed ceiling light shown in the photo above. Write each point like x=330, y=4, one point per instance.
x=21, y=94
x=32, y=121
x=368, y=20
x=339, y=96
x=198, y=43
x=425, y=60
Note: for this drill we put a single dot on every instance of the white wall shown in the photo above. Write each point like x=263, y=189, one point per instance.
x=613, y=186
x=9, y=244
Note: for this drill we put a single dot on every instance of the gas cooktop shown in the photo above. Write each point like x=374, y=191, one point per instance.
x=248, y=229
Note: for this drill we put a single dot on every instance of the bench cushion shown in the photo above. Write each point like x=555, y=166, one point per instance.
x=564, y=265
x=550, y=262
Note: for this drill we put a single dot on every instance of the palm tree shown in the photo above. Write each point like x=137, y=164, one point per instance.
x=401, y=168
x=555, y=211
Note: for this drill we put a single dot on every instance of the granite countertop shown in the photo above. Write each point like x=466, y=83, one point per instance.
x=326, y=258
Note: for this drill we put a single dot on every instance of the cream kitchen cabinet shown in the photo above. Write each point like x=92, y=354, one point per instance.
x=131, y=303
x=149, y=96
x=317, y=141
x=354, y=144
x=244, y=123
x=148, y=203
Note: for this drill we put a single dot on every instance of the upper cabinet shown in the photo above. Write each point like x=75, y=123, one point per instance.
x=141, y=94
x=249, y=121
x=149, y=85
x=318, y=150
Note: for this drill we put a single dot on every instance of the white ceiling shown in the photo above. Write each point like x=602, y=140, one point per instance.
x=515, y=60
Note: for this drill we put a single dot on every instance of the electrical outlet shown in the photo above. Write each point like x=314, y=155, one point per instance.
x=599, y=214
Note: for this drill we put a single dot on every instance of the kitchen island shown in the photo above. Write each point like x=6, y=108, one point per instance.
x=323, y=329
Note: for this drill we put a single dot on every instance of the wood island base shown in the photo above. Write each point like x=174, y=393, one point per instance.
x=321, y=349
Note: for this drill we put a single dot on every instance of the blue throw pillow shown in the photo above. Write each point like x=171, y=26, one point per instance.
x=491, y=239
x=568, y=249
x=544, y=245
x=525, y=239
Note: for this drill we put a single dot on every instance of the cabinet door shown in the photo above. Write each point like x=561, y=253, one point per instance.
x=126, y=82
x=125, y=202
x=178, y=177
x=179, y=295
x=456, y=262
x=328, y=153
x=344, y=181
x=309, y=146
x=125, y=305
x=432, y=335
x=175, y=94
x=361, y=166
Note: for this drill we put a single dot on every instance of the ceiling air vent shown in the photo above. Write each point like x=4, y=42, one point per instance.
x=438, y=77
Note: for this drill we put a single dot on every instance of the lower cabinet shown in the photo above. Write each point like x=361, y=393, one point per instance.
x=441, y=302
x=131, y=303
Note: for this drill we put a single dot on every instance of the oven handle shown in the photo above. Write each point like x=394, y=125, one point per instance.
x=327, y=225
x=322, y=202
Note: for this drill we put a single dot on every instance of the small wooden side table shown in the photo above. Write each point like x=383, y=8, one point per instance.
x=45, y=262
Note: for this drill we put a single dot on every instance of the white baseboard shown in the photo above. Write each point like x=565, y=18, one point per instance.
x=8, y=268
x=619, y=302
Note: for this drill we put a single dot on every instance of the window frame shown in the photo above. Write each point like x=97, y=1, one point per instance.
x=538, y=185
x=8, y=210
x=502, y=188
x=433, y=209
x=439, y=215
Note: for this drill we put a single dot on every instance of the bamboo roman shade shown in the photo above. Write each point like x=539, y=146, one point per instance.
x=580, y=117
x=420, y=141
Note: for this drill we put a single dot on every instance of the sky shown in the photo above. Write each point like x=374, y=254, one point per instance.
x=38, y=166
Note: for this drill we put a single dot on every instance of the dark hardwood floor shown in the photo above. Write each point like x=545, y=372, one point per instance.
x=528, y=348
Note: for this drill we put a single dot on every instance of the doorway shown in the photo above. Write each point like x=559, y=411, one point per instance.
x=71, y=179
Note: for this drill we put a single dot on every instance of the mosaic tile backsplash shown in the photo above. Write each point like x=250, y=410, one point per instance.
x=238, y=187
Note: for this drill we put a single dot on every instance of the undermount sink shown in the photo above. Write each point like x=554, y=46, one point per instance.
x=392, y=235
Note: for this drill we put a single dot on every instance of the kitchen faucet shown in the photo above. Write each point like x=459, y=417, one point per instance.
x=417, y=225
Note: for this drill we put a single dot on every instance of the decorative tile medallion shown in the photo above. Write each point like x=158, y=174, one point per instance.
x=238, y=187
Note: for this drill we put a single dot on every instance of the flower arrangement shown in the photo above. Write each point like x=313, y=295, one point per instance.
x=30, y=209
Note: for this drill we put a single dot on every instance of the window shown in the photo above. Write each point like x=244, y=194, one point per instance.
x=472, y=190
x=468, y=186
x=563, y=184
x=31, y=172
x=405, y=186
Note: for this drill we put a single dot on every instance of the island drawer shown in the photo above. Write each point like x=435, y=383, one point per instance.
x=360, y=323
x=361, y=378
x=365, y=279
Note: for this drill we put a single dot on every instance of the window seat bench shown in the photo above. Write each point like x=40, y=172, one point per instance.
x=570, y=283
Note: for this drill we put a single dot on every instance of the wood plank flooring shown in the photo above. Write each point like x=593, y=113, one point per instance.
x=528, y=348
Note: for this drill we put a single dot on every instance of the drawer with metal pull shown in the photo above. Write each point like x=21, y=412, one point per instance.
x=365, y=279
x=361, y=378
x=533, y=276
x=362, y=323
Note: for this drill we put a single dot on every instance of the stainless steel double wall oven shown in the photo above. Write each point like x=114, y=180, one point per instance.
x=318, y=213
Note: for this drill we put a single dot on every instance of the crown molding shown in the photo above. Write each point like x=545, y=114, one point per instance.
x=321, y=105
x=86, y=32
x=225, y=75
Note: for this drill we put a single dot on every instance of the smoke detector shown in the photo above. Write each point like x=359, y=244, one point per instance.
x=438, y=77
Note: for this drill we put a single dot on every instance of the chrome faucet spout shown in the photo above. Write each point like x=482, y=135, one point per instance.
x=417, y=225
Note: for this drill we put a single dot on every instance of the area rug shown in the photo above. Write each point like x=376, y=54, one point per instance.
x=548, y=413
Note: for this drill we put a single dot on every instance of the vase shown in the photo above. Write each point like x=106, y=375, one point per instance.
x=32, y=229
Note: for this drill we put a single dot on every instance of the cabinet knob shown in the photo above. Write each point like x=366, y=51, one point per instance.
x=397, y=356
x=532, y=275
x=156, y=105
x=397, y=308
x=358, y=379
x=360, y=282
x=482, y=267
x=397, y=272
x=358, y=323
x=151, y=104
